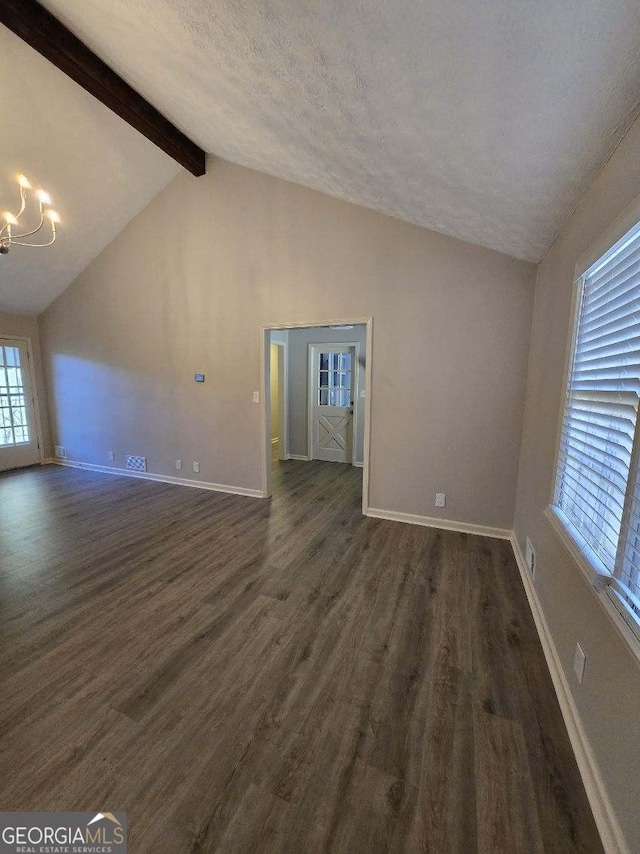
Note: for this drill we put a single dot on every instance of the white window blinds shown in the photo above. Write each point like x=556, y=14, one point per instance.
x=597, y=486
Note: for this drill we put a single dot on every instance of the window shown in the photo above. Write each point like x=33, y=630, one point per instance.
x=334, y=379
x=13, y=410
x=597, y=491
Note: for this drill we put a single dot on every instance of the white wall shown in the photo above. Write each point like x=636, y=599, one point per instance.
x=451, y=325
x=609, y=699
x=299, y=340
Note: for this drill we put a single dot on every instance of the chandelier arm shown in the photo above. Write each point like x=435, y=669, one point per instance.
x=29, y=233
x=23, y=204
x=53, y=239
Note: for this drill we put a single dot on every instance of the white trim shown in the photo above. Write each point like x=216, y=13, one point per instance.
x=610, y=831
x=162, y=478
x=599, y=578
x=359, y=464
x=265, y=415
x=311, y=348
x=576, y=296
x=629, y=218
x=283, y=396
x=28, y=342
x=301, y=457
x=445, y=524
x=599, y=581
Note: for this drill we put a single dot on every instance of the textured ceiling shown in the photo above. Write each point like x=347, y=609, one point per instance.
x=98, y=170
x=484, y=120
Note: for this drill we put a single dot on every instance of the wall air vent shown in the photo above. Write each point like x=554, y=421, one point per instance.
x=137, y=463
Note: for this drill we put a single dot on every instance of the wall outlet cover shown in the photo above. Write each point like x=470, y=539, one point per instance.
x=530, y=558
x=196, y=467
x=112, y=456
x=60, y=451
x=136, y=463
x=256, y=397
x=178, y=465
x=441, y=499
x=579, y=662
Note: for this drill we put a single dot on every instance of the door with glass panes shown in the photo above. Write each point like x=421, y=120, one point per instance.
x=332, y=394
x=18, y=434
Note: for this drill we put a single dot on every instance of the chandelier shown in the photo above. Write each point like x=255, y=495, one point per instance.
x=8, y=235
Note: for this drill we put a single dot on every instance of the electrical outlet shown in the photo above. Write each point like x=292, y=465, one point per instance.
x=112, y=456
x=196, y=467
x=530, y=558
x=60, y=452
x=441, y=499
x=178, y=465
x=256, y=397
x=579, y=662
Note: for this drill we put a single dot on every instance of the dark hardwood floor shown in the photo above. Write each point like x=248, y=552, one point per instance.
x=243, y=675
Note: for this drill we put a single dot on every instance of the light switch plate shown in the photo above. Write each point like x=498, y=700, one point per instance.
x=256, y=397
x=579, y=662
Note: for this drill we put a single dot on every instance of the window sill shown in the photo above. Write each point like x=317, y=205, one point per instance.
x=596, y=576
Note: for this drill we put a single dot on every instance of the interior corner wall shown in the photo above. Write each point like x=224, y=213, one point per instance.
x=299, y=340
x=186, y=286
x=608, y=701
x=27, y=327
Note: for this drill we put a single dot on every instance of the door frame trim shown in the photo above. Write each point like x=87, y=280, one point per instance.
x=27, y=341
x=283, y=401
x=265, y=408
x=311, y=388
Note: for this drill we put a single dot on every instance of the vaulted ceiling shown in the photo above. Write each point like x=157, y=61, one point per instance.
x=481, y=120
x=99, y=172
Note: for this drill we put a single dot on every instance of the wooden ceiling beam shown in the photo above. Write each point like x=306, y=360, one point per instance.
x=46, y=34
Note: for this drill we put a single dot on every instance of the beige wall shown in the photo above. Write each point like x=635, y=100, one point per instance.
x=609, y=699
x=186, y=286
x=27, y=327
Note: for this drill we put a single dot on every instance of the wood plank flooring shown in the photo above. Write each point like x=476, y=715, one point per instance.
x=243, y=675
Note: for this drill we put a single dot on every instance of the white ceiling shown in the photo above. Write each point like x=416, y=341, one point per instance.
x=484, y=120
x=99, y=171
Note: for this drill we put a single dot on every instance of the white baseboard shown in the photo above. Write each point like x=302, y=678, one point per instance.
x=162, y=478
x=358, y=464
x=302, y=457
x=445, y=524
x=610, y=832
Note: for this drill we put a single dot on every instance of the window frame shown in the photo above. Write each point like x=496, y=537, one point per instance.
x=589, y=563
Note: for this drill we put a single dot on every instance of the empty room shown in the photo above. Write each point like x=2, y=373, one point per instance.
x=319, y=427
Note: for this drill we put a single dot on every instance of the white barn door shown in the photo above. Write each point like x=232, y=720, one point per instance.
x=332, y=391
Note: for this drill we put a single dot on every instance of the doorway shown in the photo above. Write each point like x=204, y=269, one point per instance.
x=19, y=441
x=332, y=391
x=321, y=375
